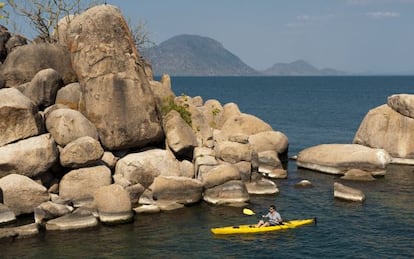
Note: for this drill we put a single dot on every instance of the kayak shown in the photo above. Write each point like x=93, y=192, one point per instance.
x=247, y=229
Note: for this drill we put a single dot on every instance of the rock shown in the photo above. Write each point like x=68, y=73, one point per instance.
x=162, y=90
x=198, y=101
x=19, y=118
x=116, y=95
x=4, y=37
x=402, y=103
x=202, y=164
x=304, y=184
x=179, y=135
x=143, y=167
x=233, y=152
x=166, y=205
x=177, y=189
x=229, y=110
x=262, y=186
x=385, y=128
x=21, y=194
x=230, y=192
x=24, y=231
x=6, y=215
x=347, y=193
x=244, y=124
x=69, y=95
x=187, y=169
x=50, y=210
x=72, y=222
x=245, y=169
x=29, y=157
x=270, y=141
x=212, y=112
x=220, y=174
x=23, y=63
x=81, y=152
x=147, y=209
x=14, y=42
x=199, y=123
x=67, y=125
x=357, y=175
x=339, y=158
x=109, y=159
x=113, y=204
x=277, y=173
x=80, y=184
x=268, y=161
x=135, y=191
x=43, y=88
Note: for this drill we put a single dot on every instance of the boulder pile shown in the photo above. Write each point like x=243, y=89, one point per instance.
x=88, y=136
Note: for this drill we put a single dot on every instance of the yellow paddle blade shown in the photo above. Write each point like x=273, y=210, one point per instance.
x=249, y=212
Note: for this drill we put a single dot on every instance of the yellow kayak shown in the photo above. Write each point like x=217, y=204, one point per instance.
x=247, y=229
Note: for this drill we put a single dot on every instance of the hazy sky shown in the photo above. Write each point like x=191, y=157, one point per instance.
x=349, y=35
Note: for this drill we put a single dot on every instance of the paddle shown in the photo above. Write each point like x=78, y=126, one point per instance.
x=248, y=212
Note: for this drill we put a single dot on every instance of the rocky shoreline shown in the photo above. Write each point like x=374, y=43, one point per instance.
x=89, y=137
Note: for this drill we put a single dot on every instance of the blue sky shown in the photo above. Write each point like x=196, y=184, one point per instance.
x=354, y=35
x=350, y=35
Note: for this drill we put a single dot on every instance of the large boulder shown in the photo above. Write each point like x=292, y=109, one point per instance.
x=67, y=125
x=385, y=128
x=143, y=167
x=116, y=95
x=220, y=174
x=402, y=103
x=113, y=204
x=43, y=87
x=82, y=152
x=233, y=152
x=269, y=140
x=19, y=118
x=229, y=110
x=23, y=63
x=212, y=112
x=339, y=158
x=178, y=189
x=21, y=194
x=244, y=124
x=262, y=186
x=29, y=157
x=179, y=135
x=79, y=185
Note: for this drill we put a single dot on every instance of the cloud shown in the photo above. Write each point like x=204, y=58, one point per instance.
x=383, y=15
x=303, y=20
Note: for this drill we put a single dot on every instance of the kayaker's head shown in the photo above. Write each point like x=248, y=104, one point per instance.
x=272, y=208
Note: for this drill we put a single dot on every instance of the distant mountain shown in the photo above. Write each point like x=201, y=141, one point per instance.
x=193, y=55
x=299, y=68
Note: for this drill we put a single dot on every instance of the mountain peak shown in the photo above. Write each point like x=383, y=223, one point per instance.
x=194, y=55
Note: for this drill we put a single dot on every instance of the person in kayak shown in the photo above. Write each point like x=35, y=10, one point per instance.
x=274, y=218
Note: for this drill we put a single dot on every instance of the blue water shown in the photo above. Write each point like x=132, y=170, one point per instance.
x=310, y=111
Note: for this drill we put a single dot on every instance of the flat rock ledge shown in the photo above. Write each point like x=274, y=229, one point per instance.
x=72, y=222
x=116, y=218
x=19, y=232
x=348, y=193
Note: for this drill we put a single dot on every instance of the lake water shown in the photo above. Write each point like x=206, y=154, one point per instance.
x=310, y=111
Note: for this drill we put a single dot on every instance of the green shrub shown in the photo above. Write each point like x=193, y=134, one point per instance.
x=169, y=105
